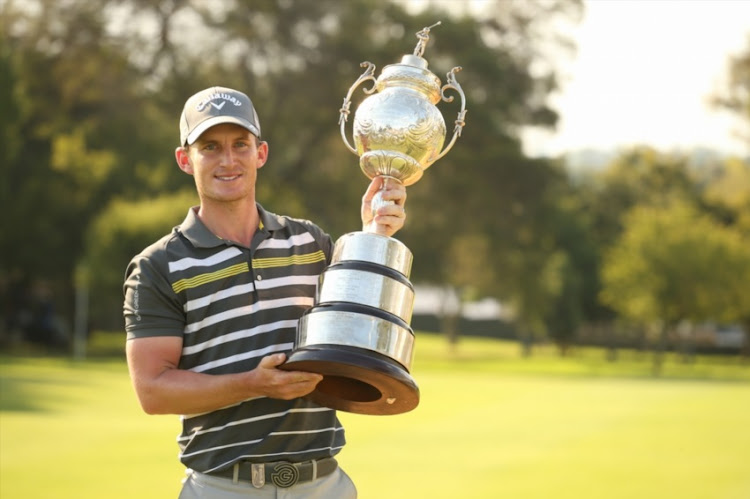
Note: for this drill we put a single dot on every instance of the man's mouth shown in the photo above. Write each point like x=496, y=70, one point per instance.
x=227, y=178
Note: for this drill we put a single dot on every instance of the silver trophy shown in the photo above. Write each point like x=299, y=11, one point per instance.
x=357, y=335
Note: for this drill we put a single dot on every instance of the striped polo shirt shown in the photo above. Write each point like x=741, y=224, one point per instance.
x=233, y=305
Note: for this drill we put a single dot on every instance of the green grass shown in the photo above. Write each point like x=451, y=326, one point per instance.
x=489, y=424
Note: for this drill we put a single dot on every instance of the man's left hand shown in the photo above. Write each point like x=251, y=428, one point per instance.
x=389, y=217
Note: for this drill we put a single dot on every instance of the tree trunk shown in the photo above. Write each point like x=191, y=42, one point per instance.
x=687, y=346
x=527, y=343
x=449, y=321
x=611, y=340
x=449, y=325
x=563, y=347
x=745, y=349
x=659, y=350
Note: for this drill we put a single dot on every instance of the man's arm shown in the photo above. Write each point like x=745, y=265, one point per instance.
x=163, y=388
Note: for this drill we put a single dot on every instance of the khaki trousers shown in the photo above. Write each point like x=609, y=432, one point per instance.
x=337, y=485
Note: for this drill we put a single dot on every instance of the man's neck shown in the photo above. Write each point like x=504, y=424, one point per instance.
x=236, y=222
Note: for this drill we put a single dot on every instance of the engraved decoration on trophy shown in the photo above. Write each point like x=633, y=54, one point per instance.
x=358, y=333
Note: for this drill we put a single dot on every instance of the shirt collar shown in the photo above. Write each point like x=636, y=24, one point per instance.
x=199, y=236
x=270, y=221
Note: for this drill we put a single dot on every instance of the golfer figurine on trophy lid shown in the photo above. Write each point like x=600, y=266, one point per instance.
x=358, y=334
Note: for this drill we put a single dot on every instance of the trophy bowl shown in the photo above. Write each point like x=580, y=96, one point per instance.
x=357, y=334
x=395, y=143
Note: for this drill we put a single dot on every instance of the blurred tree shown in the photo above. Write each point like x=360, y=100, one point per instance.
x=96, y=91
x=486, y=185
x=70, y=94
x=727, y=197
x=469, y=270
x=674, y=264
x=732, y=189
x=576, y=258
x=640, y=176
x=736, y=97
x=110, y=240
x=727, y=193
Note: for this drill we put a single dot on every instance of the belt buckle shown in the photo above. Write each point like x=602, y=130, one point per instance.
x=258, y=475
x=284, y=475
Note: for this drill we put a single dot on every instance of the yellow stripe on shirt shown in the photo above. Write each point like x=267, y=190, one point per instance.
x=266, y=263
x=201, y=279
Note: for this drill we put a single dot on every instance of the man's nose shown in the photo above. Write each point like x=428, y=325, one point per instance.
x=227, y=156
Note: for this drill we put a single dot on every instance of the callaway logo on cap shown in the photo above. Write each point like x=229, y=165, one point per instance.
x=214, y=106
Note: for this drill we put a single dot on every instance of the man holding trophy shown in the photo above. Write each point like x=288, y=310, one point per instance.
x=213, y=309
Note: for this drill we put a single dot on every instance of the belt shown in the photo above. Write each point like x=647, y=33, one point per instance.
x=281, y=474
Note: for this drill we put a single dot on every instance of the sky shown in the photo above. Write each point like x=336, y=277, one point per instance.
x=643, y=74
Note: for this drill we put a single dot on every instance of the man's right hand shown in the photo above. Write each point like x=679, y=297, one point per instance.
x=285, y=385
x=163, y=388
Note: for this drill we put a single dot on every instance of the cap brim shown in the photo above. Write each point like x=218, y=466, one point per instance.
x=218, y=120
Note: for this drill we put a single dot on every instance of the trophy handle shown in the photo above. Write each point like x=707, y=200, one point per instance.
x=344, y=111
x=452, y=84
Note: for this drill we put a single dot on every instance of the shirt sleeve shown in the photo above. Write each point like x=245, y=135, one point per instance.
x=151, y=307
x=323, y=239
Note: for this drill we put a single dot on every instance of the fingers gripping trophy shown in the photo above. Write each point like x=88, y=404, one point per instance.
x=357, y=335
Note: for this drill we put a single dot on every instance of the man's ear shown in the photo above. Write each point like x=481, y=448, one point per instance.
x=262, y=149
x=183, y=160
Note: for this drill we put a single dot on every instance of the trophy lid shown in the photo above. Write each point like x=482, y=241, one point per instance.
x=415, y=59
x=412, y=71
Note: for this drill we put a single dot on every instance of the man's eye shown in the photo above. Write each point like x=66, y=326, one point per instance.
x=209, y=147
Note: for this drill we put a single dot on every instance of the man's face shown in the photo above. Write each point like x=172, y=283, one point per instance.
x=224, y=161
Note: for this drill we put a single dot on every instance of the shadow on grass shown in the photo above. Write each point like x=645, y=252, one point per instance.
x=505, y=359
x=39, y=383
x=17, y=393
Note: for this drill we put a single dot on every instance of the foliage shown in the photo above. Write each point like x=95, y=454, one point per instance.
x=95, y=91
x=638, y=176
x=736, y=97
x=728, y=194
x=116, y=235
x=91, y=93
x=78, y=124
x=675, y=264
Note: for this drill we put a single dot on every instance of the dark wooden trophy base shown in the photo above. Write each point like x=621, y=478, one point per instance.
x=356, y=380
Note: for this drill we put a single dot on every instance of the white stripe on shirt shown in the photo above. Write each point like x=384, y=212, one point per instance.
x=221, y=256
x=244, y=333
x=302, y=301
x=298, y=240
